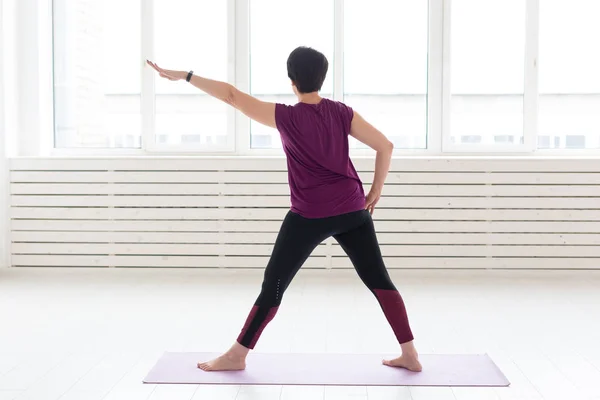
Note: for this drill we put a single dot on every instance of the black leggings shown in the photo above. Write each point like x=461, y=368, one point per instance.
x=297, y=238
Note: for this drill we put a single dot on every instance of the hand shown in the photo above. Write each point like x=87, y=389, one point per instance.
x=372, y=200
x=167, y=73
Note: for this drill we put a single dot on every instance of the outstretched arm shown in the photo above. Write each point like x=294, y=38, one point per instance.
x=260, y=111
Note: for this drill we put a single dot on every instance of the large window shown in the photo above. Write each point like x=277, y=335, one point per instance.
x=487, y=46
x=195, y=39
x=452, y=76
x=569, y=79
x=385, y=67
x=97, y=79
x=98, y=64
x=276, y=28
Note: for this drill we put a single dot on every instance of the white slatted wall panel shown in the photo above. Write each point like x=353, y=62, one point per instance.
x=225, y=212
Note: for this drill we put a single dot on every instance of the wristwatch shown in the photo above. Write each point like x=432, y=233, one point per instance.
x=189, y=76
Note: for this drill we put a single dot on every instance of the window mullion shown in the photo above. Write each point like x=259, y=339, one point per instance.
x=46, y=78
x=435, y=70
x=242, y=71
x=531, y=91
x=147, y=96
x=231, y=72
x=338, y=50
x=446, y=87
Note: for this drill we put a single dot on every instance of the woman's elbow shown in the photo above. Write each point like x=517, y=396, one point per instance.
x=386, y=147
x=231, y=95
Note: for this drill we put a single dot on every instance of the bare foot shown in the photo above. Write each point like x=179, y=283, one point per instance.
x=224, y=363
x=411, y=363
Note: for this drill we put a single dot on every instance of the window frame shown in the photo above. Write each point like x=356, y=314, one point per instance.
x=529, y=89
x=238, y=125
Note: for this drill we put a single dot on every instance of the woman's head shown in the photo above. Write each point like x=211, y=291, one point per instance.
x=307, y=69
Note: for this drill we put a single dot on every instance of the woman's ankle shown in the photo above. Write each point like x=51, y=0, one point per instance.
x=409, y=349
x=238, y=351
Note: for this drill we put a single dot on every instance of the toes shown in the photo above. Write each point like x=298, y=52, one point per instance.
x=395, y=363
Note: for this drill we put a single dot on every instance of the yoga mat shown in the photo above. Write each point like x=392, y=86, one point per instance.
x=330, y=369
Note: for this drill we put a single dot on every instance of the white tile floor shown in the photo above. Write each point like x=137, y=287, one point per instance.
x=83, y=334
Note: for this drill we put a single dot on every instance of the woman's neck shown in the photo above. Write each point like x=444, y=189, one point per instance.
x=309, y=98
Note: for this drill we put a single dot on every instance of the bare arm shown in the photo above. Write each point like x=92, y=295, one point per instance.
x=260, y=111
x=366, y=133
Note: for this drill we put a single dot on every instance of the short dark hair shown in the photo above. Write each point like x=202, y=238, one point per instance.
x=307, y=68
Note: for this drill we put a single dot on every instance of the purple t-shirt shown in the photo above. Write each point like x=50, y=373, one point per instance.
x=323, y=181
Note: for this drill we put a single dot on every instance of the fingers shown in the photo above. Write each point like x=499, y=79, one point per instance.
x=158, y=69
x=370, y=207
x=162, y=73
x=371, y=202
x=154, y=65
x=150, y=63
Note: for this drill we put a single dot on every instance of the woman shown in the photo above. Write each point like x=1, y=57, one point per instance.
x=327, y=197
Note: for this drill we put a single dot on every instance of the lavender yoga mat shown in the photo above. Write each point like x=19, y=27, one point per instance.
x=330, y=369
